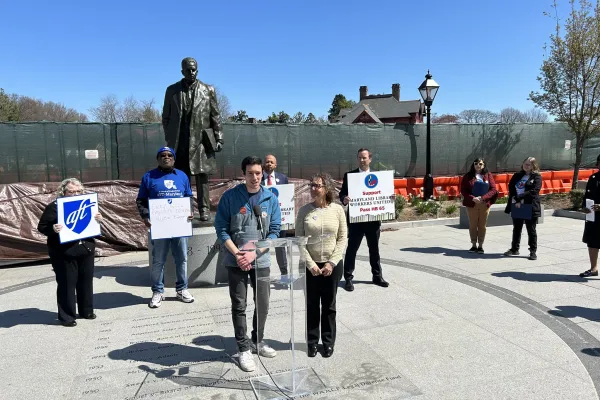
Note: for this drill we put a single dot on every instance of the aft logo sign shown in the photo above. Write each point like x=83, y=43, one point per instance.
x=371, y=181
x=274, y=191
x=76, y=214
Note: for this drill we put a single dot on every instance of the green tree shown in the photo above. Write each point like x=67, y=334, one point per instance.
x=298, y=118
x=9, y=110
x=339, y=102
x=240, y=116
x=310, y=119
x=280, y=118
x=570, y=75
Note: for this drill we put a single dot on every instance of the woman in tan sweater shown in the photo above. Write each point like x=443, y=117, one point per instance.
x=325, y=222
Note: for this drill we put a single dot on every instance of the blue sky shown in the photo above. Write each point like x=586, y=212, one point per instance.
x=276, y=55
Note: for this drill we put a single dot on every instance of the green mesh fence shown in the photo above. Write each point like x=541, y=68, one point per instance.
x=40, y=152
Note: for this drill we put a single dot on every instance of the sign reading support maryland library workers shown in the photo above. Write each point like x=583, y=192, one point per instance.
x=76, y=215
x=371, y=195
x=169, y=218
x=285, y=195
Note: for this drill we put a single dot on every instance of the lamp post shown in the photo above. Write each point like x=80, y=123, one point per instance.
x=428, y=90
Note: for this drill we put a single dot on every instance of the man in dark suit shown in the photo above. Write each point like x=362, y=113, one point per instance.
x=272, y=177
x=356, y=231
x=192, y=127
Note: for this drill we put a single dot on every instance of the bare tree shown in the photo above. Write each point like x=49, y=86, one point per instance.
x=111, y=110
x=224, y=105
x=477, y=116
x=108, y=111
x=535, y=115
x=510, y=115
x=444, y=119
x=30, y=109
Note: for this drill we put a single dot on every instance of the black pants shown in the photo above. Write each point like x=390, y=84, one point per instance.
x=281, y=257
x=356, y=231
x=238, y=291
x=75, y=280
x=530, y=224
x=321, y=291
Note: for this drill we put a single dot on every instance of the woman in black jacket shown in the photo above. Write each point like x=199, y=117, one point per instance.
x=73, y=263
x=524, y=192
x=591, y=232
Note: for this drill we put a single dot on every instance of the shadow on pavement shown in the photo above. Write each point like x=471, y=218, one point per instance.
x=27, y=316
x=592, y=314
x=106, y=301
x=534, y=277
x=453, y=253
x=126, y=275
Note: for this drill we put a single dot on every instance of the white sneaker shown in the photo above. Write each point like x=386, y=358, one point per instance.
x=247, y=361
x=264, y=350
x=185, y=296
x=156, y=301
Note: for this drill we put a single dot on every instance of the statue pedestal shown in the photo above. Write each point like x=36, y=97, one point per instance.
x=204, y=256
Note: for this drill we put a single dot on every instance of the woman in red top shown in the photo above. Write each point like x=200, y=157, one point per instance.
x=479, y=193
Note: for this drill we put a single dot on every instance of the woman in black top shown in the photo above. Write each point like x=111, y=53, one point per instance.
x=73, y=263
x=524, y=191
x=591, y=232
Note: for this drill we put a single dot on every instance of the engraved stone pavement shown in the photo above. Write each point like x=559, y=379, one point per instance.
x=452, y=325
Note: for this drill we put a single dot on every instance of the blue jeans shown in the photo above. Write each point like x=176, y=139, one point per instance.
x=160, y=251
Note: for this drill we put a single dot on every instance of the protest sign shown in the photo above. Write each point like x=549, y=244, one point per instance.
x=76, y=215
x=371, y=196
x=169, y=218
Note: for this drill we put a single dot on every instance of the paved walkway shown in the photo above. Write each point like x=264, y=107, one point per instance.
x=452, y=325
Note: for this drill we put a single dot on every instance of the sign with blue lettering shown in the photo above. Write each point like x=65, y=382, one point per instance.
x=76, y=215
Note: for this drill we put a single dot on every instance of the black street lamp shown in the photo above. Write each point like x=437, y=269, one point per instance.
x=428, y=90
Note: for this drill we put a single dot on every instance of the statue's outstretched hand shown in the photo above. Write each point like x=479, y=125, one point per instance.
x=219, y=146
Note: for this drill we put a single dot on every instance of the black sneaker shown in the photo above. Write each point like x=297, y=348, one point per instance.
x=473, y=249
x=511, y=252
x=532, y=255
x=480, y=250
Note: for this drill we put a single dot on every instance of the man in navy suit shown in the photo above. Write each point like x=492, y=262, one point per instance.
x=272, y=177
x=358, y=230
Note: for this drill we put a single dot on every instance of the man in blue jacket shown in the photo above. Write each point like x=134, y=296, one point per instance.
x=237, y=225
x=166, y=182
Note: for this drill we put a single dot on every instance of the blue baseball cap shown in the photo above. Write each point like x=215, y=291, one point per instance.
x=170, y=150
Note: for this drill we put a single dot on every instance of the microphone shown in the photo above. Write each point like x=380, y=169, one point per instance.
x=257, y=213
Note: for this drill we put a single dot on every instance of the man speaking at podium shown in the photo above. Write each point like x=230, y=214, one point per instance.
x=246, y=213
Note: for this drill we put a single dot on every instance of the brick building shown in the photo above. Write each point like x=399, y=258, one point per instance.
x=383, y=108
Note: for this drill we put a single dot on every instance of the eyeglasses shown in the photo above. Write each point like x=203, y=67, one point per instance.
x=316, y=186
x=74, y=191
x=166, y=155
x=478, y=163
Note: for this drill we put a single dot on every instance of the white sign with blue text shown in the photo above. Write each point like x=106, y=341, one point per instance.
x=169, y=218
x=371, y=196
x=77, y=216
x=287, y=204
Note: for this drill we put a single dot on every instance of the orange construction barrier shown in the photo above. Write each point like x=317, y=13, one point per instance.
x=414, y=186
x=584, y=174
x=546, y=182
x=562, y=181
x=400, y=187
x=552, y=182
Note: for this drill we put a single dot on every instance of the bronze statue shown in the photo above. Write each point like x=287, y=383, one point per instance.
x=191, y=123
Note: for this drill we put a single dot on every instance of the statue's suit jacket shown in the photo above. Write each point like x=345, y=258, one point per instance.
x=205, y=115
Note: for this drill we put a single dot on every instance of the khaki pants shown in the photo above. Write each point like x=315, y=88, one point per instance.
x=478, y=216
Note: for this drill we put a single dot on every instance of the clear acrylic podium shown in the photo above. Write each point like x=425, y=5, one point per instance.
x=288, y=374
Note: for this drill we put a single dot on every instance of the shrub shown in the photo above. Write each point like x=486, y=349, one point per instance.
x=502, y=200
x=443, y=197
x=428, y=207
x=576, y=197
x=451, y=209
x=400, y=204
x=414, y=200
